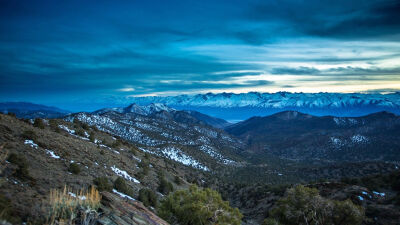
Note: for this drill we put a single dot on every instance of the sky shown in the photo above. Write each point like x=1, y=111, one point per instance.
x=60, y=52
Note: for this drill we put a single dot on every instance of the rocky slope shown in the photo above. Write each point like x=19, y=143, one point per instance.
x=299, y=136
x=44, y=158
x=167, y=132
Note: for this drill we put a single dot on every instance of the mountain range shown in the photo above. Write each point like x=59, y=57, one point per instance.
x=236, y=107
x=29, y=110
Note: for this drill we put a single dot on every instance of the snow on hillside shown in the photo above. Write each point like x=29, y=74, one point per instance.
x=184, y=143
x=177, y=155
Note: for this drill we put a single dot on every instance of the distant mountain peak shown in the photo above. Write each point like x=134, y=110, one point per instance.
x=139, y=109
x=290, y=115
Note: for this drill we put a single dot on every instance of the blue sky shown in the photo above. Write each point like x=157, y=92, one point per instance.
x=60, y=52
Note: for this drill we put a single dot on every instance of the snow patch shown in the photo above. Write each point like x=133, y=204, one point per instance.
x=52, y=154
x=176, y=154
x=71, y=131
x=381, y=194
x=124, y=174
x=123, y=195
x=31, y=143
x=359, y=139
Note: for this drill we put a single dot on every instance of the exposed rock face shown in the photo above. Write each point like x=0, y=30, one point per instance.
x=119, y=211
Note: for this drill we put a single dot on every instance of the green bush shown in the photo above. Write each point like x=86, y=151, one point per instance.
x=198, y=207
x=145, y=165
x=38, y=123
x=165, y=187
x=54, y=125
x=117, y=143
x=303, y=205
x=133, y=151
x=103, y=184
x=121, y=186
x=178, y=180
x=30, y=135
x=85, y=126
x=270, y=221
x=148, y=197
x=22, y=171
x=74, y=168
x=80, y=132
x=91, y=137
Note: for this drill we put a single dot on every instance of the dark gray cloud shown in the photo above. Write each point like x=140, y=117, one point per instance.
x=341, y=19
x=295, y=71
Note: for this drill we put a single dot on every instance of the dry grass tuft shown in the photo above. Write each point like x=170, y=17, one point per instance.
x=67, y=206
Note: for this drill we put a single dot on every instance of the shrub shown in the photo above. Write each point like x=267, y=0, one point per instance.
x=178, y=180
x=133, y=151
x=74, y=168
x=121, y=186
x=71, y=207
x=91, y=137
x=53, y=124
x=12, y=114
x=148, y=197
x=198, y=207
x=165, y=187
x=94, y=128
x=116, y=143
x=103, y=184
x=346, y=212
x=22, y=171
x=29, y=134
x=145, y=165
x=303, y=205
x=38, y=123
x=84, y=126
x=80, y=132
x=270, y=221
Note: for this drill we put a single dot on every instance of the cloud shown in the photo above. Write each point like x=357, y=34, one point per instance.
x=344, y=19
x=128, y=89
x=89, y=49
x=302, y=70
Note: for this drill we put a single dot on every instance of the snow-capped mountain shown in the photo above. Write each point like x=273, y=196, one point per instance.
x=231, y=106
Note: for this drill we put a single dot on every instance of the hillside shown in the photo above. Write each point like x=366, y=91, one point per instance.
x=167, y=132
x=48, y=153
x=297, y=136
x=45, y=153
